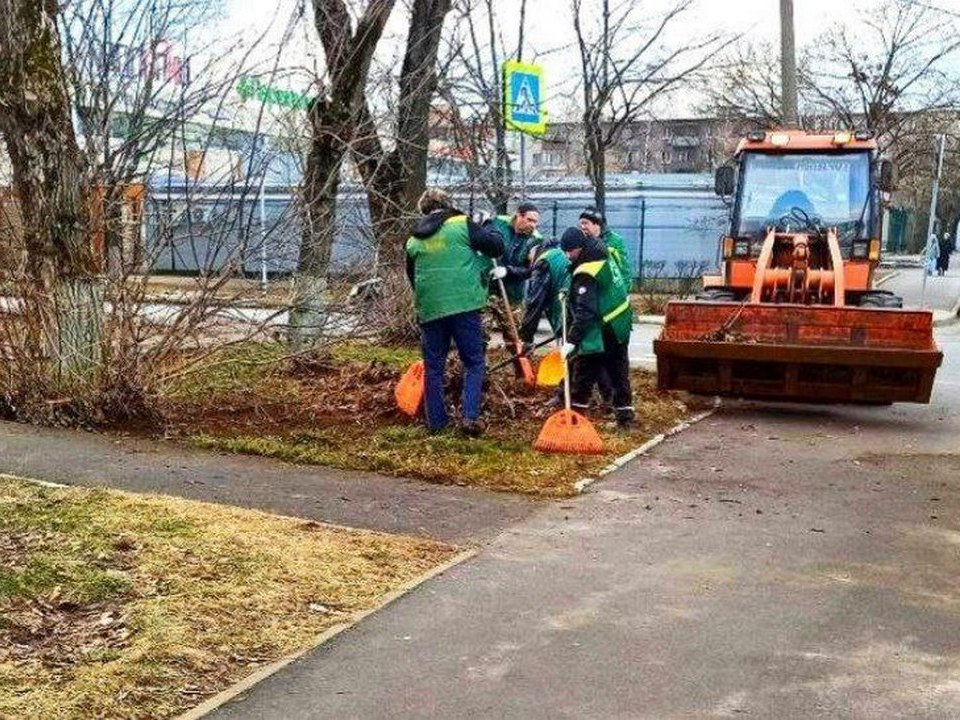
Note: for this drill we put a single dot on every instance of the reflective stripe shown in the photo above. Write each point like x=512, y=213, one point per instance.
x=625, y=305
x=590, y=268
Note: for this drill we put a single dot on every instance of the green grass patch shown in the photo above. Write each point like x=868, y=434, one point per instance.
x=120, y=606
x=395, y=357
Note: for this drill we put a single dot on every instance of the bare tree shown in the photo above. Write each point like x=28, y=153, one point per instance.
x=473, y=98
x=348, y=47
x=899, y=59
x=52, y=187
x=626, y=66
x=746, y=86
x=394, y=179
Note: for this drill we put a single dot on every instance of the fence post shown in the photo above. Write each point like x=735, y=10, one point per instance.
x=643, y=223
x=556, y=205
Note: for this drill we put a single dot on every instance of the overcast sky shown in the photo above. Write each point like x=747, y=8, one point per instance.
x=549, y=33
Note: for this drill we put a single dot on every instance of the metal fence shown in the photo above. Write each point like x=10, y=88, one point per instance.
x=670, y=221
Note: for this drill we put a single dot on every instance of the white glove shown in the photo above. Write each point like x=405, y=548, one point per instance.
x=498, y=273
x=481, y=217
x=566, y=349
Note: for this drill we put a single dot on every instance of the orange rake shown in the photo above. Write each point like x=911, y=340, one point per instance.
x=409, y=391
x=567, y=431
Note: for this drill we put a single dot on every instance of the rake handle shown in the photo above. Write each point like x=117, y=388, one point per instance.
x=566, y=364
x=509, y=322
x=510, y=361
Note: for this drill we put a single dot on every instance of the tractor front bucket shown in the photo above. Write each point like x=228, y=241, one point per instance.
x=798, y=353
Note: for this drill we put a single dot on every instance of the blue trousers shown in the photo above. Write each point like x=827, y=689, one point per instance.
x=466, y=331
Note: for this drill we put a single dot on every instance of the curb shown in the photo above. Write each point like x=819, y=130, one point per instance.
x=886, y=278
x=247, y=683
x=581, y=485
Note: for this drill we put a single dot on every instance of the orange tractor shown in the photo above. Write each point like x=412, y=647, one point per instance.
x=794, y=314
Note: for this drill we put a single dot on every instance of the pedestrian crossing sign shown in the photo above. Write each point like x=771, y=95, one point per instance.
x=523, y=98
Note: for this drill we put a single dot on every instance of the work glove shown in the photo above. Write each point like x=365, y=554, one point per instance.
x=481, y=216
x=498, y=273
x=566, y=350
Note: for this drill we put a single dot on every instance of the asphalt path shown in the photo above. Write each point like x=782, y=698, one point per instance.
x=774, y=561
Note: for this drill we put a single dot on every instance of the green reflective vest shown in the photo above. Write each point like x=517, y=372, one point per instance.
x=613, y=304
x=516, y=250
x=617, y=247
x=447, y=272
x=559, y=268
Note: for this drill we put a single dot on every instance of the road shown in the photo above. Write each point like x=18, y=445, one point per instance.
x=771, y=562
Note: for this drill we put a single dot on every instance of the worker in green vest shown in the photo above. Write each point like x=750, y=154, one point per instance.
x=602, y=320
x=549, y=274
x=447, y=271
x=593, y=223
x=519, y=234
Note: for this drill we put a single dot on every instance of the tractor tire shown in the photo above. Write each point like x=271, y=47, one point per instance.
x=881, y=299
x=717, y=295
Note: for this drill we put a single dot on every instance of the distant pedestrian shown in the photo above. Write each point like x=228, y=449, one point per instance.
x=943, y=260
x=445, y=268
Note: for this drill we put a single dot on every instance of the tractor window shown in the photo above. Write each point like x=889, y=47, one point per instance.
x=832, y=190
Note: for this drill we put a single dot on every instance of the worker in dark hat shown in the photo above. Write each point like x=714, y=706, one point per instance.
x=599, y=335
x=593, y=223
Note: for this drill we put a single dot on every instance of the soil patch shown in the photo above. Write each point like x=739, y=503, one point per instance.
x=338, y=410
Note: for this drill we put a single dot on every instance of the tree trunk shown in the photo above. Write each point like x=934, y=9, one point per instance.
x=49, y=180
x=333, y=119
x=395, y=180
x=320, y=185
x=595, y=152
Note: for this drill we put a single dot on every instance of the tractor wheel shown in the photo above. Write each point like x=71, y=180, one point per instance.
x=717, y=295
x=881, y=299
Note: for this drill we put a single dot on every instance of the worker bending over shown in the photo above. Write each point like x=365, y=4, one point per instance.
x=445, y=268
x=602, y=320
x=549, y=274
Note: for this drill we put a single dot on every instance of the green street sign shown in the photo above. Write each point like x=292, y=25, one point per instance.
x=251, y=87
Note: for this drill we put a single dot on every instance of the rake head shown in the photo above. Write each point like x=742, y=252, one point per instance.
x=567, y=431
x=409, y=391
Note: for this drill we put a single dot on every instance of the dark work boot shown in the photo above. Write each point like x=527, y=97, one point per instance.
x=625, y=417
x=472, y=428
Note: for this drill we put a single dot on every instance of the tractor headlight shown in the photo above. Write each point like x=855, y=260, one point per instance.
x=741, y=248
x=860, y=250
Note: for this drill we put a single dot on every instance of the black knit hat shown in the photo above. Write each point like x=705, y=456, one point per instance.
x=572, y=238
x=594, y=216
x=525, y=207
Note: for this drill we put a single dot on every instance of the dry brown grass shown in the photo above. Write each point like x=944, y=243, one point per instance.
x=124, y=606
x=339, y=411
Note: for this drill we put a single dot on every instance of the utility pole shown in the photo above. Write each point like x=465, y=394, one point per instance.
x=934, y=199
x=788, y=66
